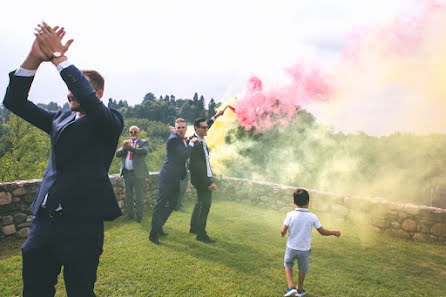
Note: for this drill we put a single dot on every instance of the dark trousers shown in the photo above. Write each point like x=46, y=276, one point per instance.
x=183, y=188
x=52, y=243
x=133, y=193
x=166, y=203
x=201, y=211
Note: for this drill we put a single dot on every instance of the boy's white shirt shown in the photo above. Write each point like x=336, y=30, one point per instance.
x=300, y=223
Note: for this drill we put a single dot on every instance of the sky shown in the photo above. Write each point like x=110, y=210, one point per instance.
x=182, y=47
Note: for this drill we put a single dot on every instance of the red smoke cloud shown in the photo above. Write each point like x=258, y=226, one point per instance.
x=262, y=108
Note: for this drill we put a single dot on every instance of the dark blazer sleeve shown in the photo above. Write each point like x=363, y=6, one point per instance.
x=100, y=116
x=177, y=151
x=121, y=152
x=16, y=100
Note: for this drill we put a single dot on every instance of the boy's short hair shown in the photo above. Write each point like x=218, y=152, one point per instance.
x=301, y=197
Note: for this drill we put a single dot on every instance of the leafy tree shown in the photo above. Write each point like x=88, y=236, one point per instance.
x=149, y=97
x=29, y=151
x=50, y=106
x=211, y=108
x=186, y=112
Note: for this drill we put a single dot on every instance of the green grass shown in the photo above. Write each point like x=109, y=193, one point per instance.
x=247, y=260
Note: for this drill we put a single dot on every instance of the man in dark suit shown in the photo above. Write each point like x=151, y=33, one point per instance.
x=134, y=170
x=172, y=171
x=75, y=195
x=201, y=179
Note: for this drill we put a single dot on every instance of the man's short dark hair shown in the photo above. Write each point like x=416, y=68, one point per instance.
x=198, y=121
x=301, y=197
x=96, y=80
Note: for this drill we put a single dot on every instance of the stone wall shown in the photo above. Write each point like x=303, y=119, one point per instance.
x=418, y=223
x=16, y=198
x=409, y=221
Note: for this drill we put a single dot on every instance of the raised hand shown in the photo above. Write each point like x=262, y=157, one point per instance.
x=50, y=40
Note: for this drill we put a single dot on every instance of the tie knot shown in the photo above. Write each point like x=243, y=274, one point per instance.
x=184, y=138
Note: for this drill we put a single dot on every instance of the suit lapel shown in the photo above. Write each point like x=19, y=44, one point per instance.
x=62, y=125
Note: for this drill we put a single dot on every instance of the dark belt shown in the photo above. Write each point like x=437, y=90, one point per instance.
x=43, y=212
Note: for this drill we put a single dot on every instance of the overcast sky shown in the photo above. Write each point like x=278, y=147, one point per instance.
x=182, y=47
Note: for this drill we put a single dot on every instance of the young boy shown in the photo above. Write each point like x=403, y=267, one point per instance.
x=300, y=223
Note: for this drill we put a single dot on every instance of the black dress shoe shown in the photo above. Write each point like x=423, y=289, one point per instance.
x=154, y=240
x=163, y=233
x=205, y=239
x=191, y=231
x=139, y=219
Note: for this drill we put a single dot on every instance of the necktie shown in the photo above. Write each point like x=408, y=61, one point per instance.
x=131, y=153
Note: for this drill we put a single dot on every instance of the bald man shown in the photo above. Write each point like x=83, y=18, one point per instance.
x=134, y=171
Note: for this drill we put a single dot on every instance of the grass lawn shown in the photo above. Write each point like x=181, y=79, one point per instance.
x=247, y=260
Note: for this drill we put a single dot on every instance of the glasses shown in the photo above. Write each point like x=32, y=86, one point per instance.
x=133, y=132
x=204, y=127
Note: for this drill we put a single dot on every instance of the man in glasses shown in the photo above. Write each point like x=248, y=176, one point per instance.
x=172, y=171
x=134, y=171
x=75, y=195
x=201, y=178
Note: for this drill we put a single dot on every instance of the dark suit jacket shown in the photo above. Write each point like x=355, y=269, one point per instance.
x=197, y=165
x=139, y=153
x=81, y=150
x=173, y=168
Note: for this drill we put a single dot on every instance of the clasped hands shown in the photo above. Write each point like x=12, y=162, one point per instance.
x=126, y=145
x=49, y=41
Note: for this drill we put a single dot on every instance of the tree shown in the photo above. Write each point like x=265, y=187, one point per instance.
x=186, y=112
x=149, y=97
x=29, y=152
x=211, y=108
x=50, y=106
x=199, y=108
x=195, y=99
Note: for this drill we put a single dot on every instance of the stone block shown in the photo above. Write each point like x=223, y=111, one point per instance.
x=7, y=220
x=19, y=192
x=8, y=230
x=395, y=225
x=422, y=228
x=19, y=218
x=409, y=225
x=5, y=198
x=264, y=198
x=420, y=237
x=23, y=225
x=23, y=233
x=398, y=233
x=412, y=209
x=439, y=229
x=380, y=222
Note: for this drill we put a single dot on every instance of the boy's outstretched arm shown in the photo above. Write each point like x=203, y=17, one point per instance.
x=284, y=230
x=326, y=232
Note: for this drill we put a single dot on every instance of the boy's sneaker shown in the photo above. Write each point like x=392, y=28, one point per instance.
x=301, y=292
x=291, y=292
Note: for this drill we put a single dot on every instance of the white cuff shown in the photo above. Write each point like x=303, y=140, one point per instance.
x=24, y=72
x=191, y=144
x=63, y=65
x=213, y=118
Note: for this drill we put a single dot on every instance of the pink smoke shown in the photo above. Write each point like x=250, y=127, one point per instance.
x=263, y=109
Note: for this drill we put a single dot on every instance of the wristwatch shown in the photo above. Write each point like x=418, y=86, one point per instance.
x=56, y=55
